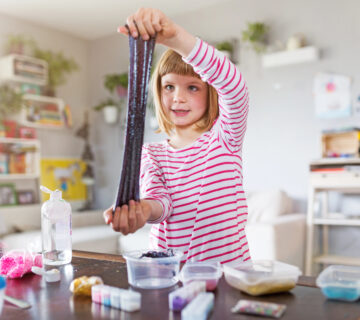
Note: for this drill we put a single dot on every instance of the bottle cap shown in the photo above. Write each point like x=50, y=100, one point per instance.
x=52, y=275
x=54, y=195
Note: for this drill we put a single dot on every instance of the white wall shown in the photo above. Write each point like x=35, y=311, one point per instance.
x=57, y=143
x=283, y=134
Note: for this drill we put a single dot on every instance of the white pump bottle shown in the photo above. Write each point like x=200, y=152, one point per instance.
x=56, y=229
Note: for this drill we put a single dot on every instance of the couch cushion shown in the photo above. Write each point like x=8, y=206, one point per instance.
x=21, y=218
x=266, y=205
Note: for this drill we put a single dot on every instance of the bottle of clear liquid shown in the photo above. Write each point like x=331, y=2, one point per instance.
x=56, y=229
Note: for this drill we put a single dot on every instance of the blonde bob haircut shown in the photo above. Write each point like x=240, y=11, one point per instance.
x=171, y=62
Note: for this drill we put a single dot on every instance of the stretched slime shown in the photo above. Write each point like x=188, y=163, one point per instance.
x=141, y=53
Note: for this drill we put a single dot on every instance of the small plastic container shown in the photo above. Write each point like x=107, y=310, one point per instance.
x=152, y=273
x=210, y=272
x=2, y=291
x=130, y=300
x=105, y=296
x=115, y=294
x=96, y=293
x=261, y=277
x=340, y=282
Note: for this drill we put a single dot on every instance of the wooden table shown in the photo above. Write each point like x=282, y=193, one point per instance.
x=51, y=301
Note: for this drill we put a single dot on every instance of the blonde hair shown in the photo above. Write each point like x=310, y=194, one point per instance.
x=171, y=62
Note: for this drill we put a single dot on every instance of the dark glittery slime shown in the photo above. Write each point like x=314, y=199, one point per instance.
x=141, y=53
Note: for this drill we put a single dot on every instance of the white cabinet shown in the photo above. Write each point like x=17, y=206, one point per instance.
x=19, y=68
x=340, y=175
x=19, y=170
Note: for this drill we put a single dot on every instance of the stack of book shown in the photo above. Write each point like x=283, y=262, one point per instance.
x=29, y=69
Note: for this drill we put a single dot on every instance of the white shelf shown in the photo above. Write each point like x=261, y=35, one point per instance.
x=337, y=222
x=32, y=113
x=282, y=58
x=18, y=176
x=335, y=259
x=23, y=69
x=32, y=161
x=33, y=142
x=335, y=161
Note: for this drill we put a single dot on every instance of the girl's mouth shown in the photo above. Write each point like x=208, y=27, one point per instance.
x=180, y=113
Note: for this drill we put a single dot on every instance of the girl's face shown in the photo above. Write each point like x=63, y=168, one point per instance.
x=184, y=99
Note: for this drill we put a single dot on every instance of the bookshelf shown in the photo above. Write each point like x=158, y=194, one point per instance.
x=326, y=175
x=19, y=170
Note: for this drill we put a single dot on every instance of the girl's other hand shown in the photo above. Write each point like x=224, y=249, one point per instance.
x=128, y=218
x=147, y=22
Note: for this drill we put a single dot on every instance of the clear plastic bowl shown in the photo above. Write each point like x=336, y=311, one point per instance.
x=340, y=282
x=261, y=277
x=207, y=271
x=152, y=273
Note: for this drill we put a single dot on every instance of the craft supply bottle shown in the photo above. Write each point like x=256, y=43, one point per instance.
x=56, y=229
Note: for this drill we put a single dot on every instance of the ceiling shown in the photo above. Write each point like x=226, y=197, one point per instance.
x=91, y=19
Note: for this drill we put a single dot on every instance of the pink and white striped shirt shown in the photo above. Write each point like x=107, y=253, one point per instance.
x=200, y=187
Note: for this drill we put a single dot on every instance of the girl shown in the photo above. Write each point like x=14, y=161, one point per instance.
x=191, y=184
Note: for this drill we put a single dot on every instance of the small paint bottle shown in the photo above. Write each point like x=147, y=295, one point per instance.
x=96, y=293
x=130, y=300
x=179, y=298
x=199, y=308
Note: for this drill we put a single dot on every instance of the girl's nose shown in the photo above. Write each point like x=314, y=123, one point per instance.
x=179, y=96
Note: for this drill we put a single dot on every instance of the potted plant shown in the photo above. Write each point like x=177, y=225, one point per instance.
x=10, y=101
x=109, y=109
x=255, y=35
x=59, y=66
x=17, y=44
x=118, y=82
x=226, y=47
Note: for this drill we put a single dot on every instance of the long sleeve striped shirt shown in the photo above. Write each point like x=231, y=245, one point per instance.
x=200, y=187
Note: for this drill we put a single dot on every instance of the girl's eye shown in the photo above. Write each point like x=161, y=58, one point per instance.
x=193, y=88
x=169, y=87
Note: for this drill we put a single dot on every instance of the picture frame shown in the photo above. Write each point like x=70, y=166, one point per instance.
x=25, y=197
x=8, y=195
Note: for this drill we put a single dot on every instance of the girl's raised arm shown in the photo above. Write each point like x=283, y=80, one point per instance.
x=147, y=22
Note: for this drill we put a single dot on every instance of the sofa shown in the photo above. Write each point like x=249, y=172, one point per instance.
x=274, y=232
x=20, y=227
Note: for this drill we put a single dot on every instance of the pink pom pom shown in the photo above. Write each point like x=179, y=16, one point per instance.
x=6, y=264
x=17, y=272
x=15, y=264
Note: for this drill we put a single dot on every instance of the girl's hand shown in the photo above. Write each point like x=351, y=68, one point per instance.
x=128, y=218
x=148, y=22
